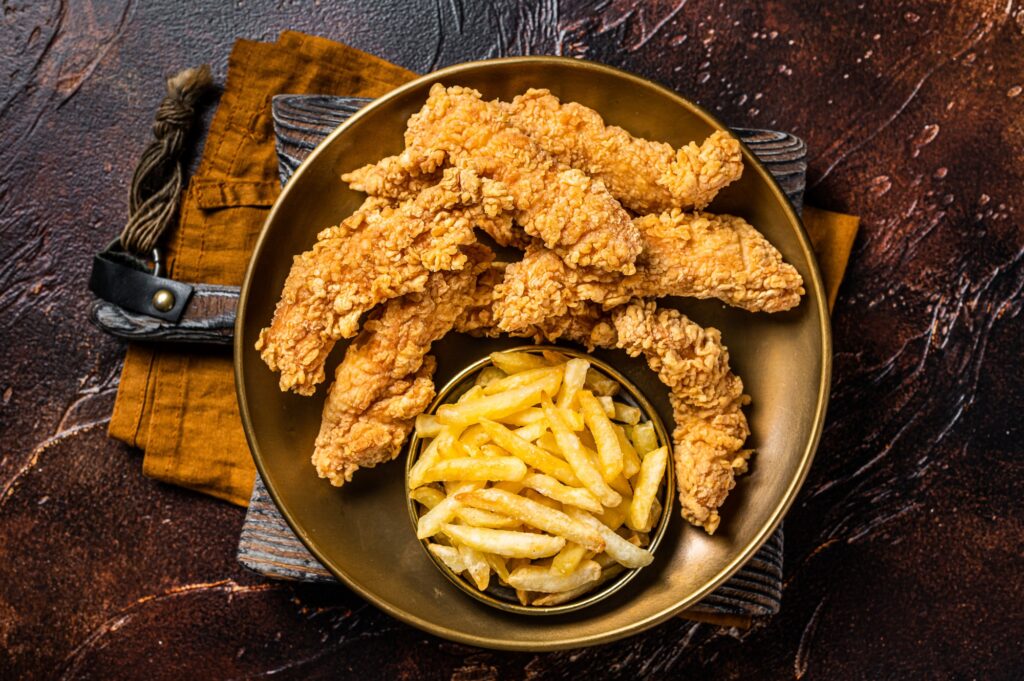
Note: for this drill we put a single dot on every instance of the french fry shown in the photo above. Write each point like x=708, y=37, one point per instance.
x=622, y=486
x=607, y=403
x=475, y=517
x=427, y=425
x=609, y=451
x=539, y=498
x=548, y=443
x=625, y=413
x=497, y=564
x=449, y=555
x=538, y=578
x=429, y=455
x=471, y=394
x=514, y=362
x=477, y=468
x=532, y=431
x=630, y=460
x=613, y=518
x=644, y=438
x=523, y=596
x=530, y=454
x=533, y=514
x=428, y=496
x=525, y=417
x=566, y=560
x=477, y=568
x=492, y=450
x=495, y=406
x=652, y=518
x=505, y=542
x=599, y=384
x=452, y=448
x=566, y=596
x=523, y=378
x=488, y=375
x=618, y=548
x=430, y=523
x=554, y=357
x=551, y=488
x=474, y=436
x=509, y=486
x=575, y=376
x=576, y=457
x=453, y=487
x=572, y=418
x=652, y=470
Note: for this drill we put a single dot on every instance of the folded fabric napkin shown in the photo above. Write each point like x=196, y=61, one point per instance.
x=178, y=404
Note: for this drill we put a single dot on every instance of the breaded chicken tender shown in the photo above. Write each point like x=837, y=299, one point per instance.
x=707, y=400
x=696, y=255
x=378, y=253
x=573, y=214
x=646, y=176
x=385, y=379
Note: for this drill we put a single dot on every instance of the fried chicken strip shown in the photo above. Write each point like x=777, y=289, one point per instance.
x=378, y=253
x=646, y=176
x=385, y=379
x=707, y=400
x=695, y=255
x=571, y=213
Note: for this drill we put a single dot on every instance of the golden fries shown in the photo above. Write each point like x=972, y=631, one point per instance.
x=647, y=483
x=537, y=578
x=504, y=542
x=644, y=438
x=477, y=468
x=577, y=457
x=515, y=362
x=537, y=475
x=531, y=513
x=624, y=413
x=608, y=448
x=498, y=405
x=551, y=488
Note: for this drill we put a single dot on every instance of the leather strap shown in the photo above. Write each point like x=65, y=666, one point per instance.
x=136, y=303
x=118, y=277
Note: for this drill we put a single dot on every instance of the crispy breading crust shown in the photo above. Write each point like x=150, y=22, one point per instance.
x=696, y=255
x=385, y=379
x=571, y=213
x=646, y=176
x=378, y=253
x=706, y=397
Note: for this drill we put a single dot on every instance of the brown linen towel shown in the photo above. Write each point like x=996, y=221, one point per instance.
x=179, y=405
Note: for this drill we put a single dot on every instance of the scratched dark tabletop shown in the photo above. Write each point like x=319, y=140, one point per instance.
x=904, y=549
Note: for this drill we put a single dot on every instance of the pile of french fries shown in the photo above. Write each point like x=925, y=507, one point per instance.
x=538, y=475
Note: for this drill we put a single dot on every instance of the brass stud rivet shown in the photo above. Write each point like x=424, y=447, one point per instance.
x=163, y=300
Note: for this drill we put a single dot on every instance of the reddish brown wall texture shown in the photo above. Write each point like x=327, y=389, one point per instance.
x=903, y=552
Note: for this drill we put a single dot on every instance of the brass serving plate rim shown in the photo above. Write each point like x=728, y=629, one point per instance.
x=603, y=591
x=773, y=520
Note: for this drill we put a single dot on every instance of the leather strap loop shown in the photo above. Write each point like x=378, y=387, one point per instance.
x=117, y=278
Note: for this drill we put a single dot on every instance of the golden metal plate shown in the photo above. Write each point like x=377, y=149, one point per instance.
x=361, y=532
x=629, y=394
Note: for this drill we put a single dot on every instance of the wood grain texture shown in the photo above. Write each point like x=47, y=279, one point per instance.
x=903, y=551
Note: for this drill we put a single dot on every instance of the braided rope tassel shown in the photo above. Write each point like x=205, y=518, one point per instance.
x=156, y=185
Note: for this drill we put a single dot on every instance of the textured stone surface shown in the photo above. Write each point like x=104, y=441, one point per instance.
x=903, y=552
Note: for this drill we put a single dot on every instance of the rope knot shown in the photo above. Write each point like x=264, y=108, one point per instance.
x=153, y=197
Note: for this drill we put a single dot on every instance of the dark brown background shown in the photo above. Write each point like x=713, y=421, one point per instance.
x=904, y=550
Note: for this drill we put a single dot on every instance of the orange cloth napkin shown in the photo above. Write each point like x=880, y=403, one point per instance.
x=178, y=404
